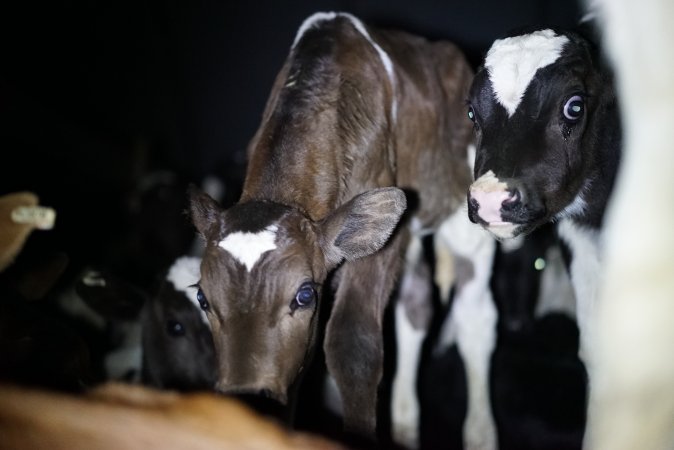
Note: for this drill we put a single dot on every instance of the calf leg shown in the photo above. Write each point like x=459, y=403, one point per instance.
x=412, y=318
x=472, y=323
x=354, y=345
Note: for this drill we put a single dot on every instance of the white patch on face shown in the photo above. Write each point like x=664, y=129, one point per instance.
x=471, y=151
x=183, y=274
x=488, y=182
x=247, y=248
x=315, y=19
x=513, y=62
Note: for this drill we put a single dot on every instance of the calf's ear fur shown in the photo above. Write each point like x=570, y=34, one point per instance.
x=361, y=226
x=205, y=211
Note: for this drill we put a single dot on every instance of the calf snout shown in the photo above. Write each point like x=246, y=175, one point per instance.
x=504, y=207
x=486, y=207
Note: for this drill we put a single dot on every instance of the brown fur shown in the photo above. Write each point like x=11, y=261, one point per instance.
x=133, y=417
x=328, y=144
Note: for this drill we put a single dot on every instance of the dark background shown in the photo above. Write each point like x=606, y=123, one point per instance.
x=96, y=95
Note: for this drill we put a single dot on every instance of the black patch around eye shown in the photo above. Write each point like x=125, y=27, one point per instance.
x=175, y=328
x=471, y=113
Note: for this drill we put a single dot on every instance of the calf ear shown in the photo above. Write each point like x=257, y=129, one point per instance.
x=361, y=226
x=204, y=211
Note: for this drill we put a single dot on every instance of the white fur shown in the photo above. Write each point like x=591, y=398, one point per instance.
x=248, y=248
x=578, y=206
x=405, y=408
x=556, y=291
x=184, y=273
x=311, y=22
x=633, y=403
x=585, y=275
x=316, y=18
x=489, y=182
x=513, y=62
x=472, y=323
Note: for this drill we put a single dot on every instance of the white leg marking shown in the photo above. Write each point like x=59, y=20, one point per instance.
x=472, y=322
x=404, y=399
x=585, y=277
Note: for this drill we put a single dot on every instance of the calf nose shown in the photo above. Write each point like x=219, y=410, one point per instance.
x=486, y=205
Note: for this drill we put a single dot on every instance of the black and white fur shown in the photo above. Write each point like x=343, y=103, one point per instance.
x=548, y=148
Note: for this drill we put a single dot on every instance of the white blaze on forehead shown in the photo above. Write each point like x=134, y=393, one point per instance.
x=313, y=20
x=247, y=248
x=183, y=275
x=513, y=62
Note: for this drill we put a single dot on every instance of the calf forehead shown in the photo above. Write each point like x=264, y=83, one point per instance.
x=249, y=231
x=512, y=63
x=247, y=247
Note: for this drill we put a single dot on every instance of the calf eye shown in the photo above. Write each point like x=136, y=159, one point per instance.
x=471, y=113
x=305, y=296
x=574, y=108
x=201, y=298
x=175, y=328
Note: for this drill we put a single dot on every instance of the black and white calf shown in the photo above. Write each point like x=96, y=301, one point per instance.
x=548, y=147
x=160, y=339
x=178, y=348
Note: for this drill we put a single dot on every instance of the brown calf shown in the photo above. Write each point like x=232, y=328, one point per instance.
x=357, y=116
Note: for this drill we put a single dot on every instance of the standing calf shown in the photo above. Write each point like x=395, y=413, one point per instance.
x=548, y=148
x=355, y=117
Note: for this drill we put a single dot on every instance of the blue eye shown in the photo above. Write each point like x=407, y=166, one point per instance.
x=574, y=108
x=305, y=296
x=201, y=298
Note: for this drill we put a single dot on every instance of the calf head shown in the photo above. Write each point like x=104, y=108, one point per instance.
x=262, y=276
x=178, y=348
x=543, y=106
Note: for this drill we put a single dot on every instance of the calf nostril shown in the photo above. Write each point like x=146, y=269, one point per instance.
x=512, y=201
x=473, y=207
